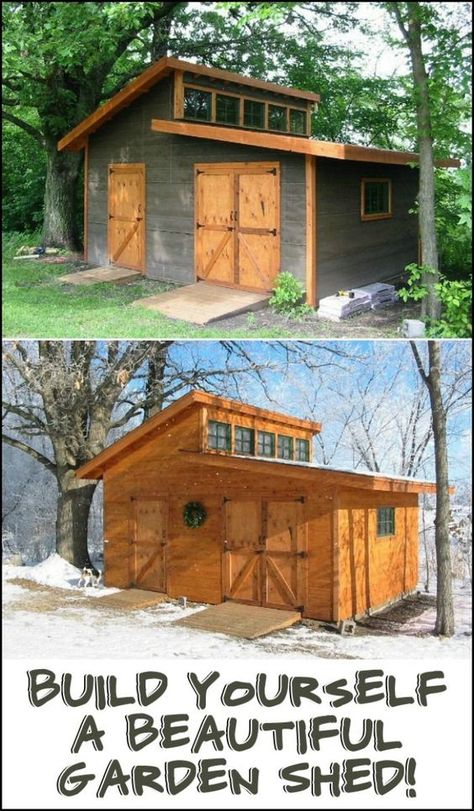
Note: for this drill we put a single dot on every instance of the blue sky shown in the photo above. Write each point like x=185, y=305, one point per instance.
x=344, y=375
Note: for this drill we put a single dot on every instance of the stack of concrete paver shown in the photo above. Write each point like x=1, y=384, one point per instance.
x=380, y=294
x=336, y=308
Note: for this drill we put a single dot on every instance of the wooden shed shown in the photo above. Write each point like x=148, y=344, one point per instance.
x=278, y=530
x=194, y=173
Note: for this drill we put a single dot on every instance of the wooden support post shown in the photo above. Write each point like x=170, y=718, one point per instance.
x=86, y=197
x=311, y=269
x=178, y=95
x=336, y=574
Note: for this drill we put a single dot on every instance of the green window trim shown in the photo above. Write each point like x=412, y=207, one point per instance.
x=266, y=444
x=375, y=198
x=244, y=440
x=219, y=436
x=302, y=450
x=285, y=447
x=385, y=521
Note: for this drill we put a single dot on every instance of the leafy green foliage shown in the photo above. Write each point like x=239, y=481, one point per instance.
x=454, y=221
x=288, y=297
x=455, y=297
x=23, y=178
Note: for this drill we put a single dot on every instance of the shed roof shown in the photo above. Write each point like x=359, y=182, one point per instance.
x=94, y=469
x=75, y=139
x=308, y=471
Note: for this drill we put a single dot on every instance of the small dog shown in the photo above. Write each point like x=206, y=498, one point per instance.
x=90, y=577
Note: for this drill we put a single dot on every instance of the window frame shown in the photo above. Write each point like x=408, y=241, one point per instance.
x=291, y=444
x=214, y=92
x=228, y=426
x=307, y=446
x=269, y=434
x=385, y=215
x=211, y=106
x=252, y=444
x=383, y=522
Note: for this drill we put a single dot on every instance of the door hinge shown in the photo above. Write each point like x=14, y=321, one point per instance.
x=271, y=171
x=302, y=555
x=273, y=232
x=198, y=225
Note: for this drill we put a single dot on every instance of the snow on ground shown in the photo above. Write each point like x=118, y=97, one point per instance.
x=42, y=620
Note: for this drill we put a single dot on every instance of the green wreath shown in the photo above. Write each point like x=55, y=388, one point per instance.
x=194, y=514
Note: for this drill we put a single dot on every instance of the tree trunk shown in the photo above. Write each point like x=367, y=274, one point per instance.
x=445, y=611
x=431, y=307
x=74, y=505
x=59, y=226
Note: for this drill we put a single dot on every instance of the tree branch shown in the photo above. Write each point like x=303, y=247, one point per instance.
x=36, y=134
x=22, y=446
x=419, y=364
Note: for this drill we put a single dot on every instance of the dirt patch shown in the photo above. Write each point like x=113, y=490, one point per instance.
x=373, y=324
x=398, y=618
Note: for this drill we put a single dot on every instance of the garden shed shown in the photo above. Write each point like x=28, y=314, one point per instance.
x=216, y=500
x=193, y=173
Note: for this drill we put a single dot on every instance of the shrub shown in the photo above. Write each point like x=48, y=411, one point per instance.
x=456, y=302
x=288, y=297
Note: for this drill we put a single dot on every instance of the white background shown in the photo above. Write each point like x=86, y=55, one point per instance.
x=37, y=741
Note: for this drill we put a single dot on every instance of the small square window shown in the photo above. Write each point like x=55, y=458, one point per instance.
x=298, y=122
x=385, y=521
x=227, y=109
x=302, y=450
x=254, y=114
x=266, y=443
x=376, y=199
x=197, y=104
x=244, y=440
x=277, y=118
x=285, y=447
x=219, y=436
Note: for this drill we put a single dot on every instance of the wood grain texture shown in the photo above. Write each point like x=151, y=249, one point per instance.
x=127, y=215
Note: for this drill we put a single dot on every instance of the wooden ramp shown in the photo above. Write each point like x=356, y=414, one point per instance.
x=102, y=274
x=202, y=303
x=132, y=599
x=237, y=619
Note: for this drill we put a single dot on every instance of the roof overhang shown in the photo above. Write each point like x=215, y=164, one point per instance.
x=311, y=473
x=75, y=140
x=96, y=467
x=291, y=143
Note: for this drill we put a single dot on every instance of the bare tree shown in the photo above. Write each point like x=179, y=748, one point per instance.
x=64, y=400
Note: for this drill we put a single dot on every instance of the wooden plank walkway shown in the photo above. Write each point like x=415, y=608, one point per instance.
x=132, y=599
x=237, y=619
x=101, y=274
x=201, y=303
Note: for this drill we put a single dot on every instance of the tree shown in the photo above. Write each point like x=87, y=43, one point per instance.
x=432, y=380
x=418, y=23
x=66, y=400
x=59, y=59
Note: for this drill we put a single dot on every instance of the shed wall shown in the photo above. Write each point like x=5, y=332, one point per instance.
x=375, y=570
x=353, y=252
x=169, y=161
x=194, y=556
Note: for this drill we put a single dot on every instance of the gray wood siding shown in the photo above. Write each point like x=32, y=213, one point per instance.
x=352, y=252
x=169, y=161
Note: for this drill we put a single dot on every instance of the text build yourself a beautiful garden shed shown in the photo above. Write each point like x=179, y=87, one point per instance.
x=217, y=500
x=194, y=173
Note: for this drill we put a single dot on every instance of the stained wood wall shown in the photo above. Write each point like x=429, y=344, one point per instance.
x=169, y=161
x=362, y=571
x=351, y=252
x=371, y=570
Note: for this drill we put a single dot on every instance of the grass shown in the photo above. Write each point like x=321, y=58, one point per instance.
x=37, y=305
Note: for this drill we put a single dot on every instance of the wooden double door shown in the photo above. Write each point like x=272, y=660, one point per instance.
x=148, y=554
x=126, y=216
x=265, y=551
x=238, y=224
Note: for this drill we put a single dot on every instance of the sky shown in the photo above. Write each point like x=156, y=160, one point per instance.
x=336, y=384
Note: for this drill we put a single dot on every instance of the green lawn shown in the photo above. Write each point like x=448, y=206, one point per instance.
x=36, y=305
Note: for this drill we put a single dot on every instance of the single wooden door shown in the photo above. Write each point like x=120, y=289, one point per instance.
x=148, y=564
x=285, y=536
x=243, y=549
x=126, y=232
x=238, y=224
